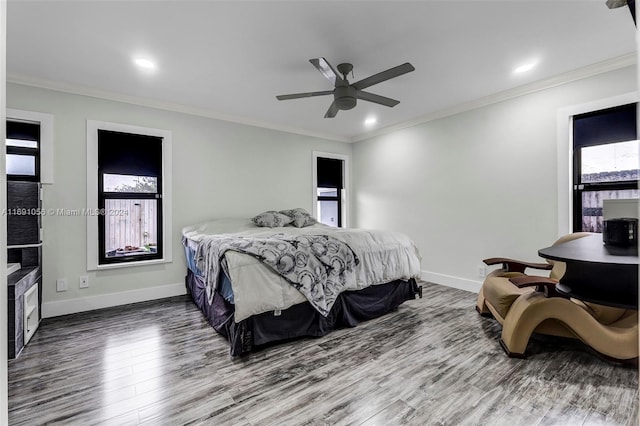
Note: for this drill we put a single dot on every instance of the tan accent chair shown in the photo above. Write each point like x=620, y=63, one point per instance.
x=525, y=304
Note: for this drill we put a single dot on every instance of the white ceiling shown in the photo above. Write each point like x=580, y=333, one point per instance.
x=230, y=59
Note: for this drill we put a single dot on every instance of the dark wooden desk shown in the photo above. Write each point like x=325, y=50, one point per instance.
x=597, y=273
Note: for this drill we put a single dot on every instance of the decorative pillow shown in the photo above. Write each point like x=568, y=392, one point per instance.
x=272, y=219
x=299, y=217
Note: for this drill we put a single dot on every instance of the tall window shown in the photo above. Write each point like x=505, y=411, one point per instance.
x=128, y=195
x=330, y=190
x=605, y=166
x=23, y=151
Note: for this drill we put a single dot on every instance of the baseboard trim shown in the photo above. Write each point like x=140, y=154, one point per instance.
x=90, y=303
x=450, y=281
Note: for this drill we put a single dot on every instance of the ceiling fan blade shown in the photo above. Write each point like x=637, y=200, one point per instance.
x=383, y=76
x=303, y=95
x=613, y=4
x=327, y=70
x=366, y=96
x=332, y=111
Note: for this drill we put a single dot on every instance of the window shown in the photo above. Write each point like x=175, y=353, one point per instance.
x=23, y=151
x=605, y=150
x=44, y=141
x=329, y=206
x=129, y=193
x=129, y=197
x=329, y=189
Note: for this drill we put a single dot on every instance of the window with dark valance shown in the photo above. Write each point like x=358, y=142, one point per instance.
x=129, y=197
x=605, y=162
x=330, y=183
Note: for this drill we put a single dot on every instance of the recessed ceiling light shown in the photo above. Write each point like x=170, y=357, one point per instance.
x=525, y=67
x=144, y=63
x=370, y=121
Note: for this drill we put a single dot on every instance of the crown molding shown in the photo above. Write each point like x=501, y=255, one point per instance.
x=536, y=86
x=166, y=106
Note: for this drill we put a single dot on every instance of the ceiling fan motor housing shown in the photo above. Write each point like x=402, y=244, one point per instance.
x=345, y=97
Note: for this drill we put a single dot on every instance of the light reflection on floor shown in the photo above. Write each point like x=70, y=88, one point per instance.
x=132, y=371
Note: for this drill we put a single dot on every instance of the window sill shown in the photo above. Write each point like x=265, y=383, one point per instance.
x=130, y=264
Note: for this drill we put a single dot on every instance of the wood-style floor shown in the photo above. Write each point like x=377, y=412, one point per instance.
x=433, y=362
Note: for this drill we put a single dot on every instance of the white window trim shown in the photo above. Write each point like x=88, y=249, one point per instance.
x=347, y=188
x=92, y=192
x=565, y=152
x=46, y=138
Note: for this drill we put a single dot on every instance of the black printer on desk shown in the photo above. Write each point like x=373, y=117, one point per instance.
x=620, y=232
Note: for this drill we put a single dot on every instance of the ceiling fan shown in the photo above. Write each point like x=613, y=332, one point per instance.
x=614, y=4
x=345, y=95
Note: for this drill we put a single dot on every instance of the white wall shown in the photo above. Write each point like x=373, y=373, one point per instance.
x=478, y=184
x=220, y=169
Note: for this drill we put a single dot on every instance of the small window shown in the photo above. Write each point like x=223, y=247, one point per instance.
x=22, y=144
x=330, y=191
x=129, y=183
x=21, y=165
x=612, y=162
x=329, y=206
x=23, y=151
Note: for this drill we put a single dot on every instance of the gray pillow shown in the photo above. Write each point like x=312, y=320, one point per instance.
x=272, y=219
x=299, y=217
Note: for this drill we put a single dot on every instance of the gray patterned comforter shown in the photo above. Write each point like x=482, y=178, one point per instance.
x=319, y=266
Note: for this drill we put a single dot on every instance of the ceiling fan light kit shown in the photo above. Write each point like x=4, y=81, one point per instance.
x=345, y=95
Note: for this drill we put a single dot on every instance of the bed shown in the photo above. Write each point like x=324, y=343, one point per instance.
x=257, y=285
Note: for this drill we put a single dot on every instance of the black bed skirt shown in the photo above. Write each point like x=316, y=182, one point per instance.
x=350, y=308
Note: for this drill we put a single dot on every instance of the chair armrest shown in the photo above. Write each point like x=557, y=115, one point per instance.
x=511, y=265
x=543, y=284
x=531, y=280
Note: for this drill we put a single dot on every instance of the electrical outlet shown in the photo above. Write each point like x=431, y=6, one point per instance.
x=84, y=281
x=482, y=271
x=61, y=284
